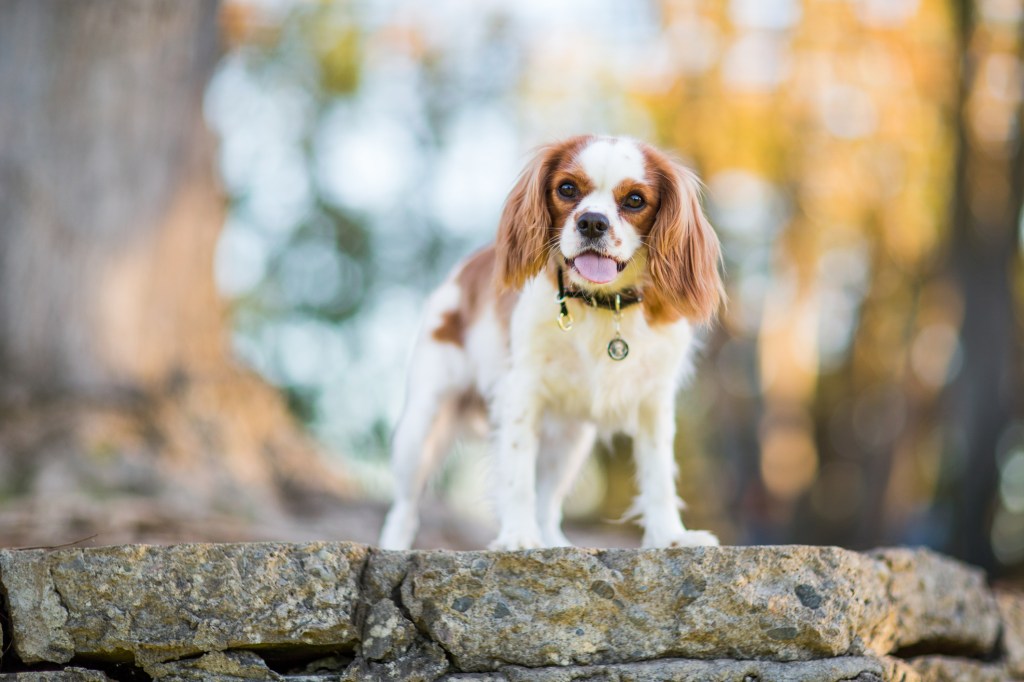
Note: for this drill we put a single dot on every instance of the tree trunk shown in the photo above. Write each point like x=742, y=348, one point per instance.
x=988, y=193
x=117, y=390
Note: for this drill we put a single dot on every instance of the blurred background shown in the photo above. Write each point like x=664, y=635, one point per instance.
x=864, y=171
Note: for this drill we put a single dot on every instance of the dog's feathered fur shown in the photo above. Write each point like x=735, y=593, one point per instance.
x=614, y=215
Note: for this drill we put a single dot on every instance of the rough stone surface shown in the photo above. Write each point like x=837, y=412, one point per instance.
x=151, y=604
x=1011, y=611
x=343, y=612
x=898, y=670
x=232, y=665
x=387, y=633
x=28, y=589
x=66, y=675
x=393, y=649
x=582, y=607
x=843, y=669
x=939, y=603
x=950, y=669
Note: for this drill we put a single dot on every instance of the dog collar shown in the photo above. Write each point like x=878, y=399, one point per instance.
x=618, y=349
x=611, y=302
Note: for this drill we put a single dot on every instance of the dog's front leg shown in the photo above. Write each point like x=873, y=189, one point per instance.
x=517, y=442
x=657, y=502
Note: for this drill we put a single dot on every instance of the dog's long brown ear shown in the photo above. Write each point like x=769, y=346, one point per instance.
x=525, y=226
x=683, y=253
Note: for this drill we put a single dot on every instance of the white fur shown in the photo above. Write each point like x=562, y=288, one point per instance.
x=551, y=393
x=609, y=161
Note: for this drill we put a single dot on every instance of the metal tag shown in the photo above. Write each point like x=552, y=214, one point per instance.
x=618, y=349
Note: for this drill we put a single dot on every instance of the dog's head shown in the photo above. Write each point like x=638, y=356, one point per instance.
x=614, y=214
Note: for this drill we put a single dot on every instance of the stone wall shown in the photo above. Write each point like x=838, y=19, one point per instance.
x=341, y=611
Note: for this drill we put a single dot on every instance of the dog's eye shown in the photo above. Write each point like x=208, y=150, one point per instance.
x=568, y=190
x=633, y=201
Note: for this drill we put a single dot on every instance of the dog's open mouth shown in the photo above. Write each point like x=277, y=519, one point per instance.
x=595, y=267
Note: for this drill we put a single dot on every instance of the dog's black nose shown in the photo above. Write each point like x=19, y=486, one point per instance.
x=592, y=225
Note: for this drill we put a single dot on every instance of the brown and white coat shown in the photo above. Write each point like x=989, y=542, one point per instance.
x=614, y=215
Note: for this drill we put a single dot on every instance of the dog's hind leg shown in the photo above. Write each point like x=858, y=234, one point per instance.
x=423, y=435
x=565, y=446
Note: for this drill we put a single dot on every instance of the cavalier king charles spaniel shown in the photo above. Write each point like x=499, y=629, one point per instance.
x=577, y=323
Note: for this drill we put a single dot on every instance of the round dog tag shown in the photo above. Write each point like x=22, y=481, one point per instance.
x=618, y=349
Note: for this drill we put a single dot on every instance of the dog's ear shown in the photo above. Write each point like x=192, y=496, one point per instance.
x=525, y=227
x=683, y=253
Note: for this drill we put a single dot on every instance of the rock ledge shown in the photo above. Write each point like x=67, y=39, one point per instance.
x=341, y=611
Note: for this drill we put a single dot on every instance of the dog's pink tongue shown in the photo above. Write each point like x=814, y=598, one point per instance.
x=598, y=269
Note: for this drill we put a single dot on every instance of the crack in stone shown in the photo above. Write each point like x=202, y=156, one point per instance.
x=6, y=626
x=61, y=642
x=399, y=601
x=858, y=645
x=361, y=601
x=380, y=582
x=61, y=599
x=119, y=672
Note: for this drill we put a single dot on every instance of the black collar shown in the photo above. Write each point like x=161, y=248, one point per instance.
x=612, y=302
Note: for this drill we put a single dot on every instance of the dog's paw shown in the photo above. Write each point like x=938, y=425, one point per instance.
x=686, y=538
x=509, y=542
x=555, y=538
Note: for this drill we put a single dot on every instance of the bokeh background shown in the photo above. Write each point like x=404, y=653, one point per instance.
x=864, y=171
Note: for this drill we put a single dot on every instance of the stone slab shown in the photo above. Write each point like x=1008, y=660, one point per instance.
x=953, y=669
x=844, y=669
x=582, y=607
x=1011, y=611
x=71, y=674
x=188, y=611
x=150, y=604
x=939, y=603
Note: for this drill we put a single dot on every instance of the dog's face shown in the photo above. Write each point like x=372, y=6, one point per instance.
x=601, y=201
x=613, y=214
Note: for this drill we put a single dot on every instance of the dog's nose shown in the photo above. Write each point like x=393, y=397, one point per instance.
x=592, y=225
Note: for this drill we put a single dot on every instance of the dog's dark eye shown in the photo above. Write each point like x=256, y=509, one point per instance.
x=568, y=190
x=633, y=201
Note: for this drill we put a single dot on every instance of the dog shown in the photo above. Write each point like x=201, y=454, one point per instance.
x=577, y=323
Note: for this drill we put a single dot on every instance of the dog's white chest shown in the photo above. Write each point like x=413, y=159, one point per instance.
x=577, y=376
x=596, y=392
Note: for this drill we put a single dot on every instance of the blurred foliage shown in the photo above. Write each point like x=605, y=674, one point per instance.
x=830, y=155
x=830, y=135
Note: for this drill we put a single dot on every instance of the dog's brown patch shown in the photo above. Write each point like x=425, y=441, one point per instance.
x=476, y=282
x=527, y=229
x=684, y=253
x=451, y=329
